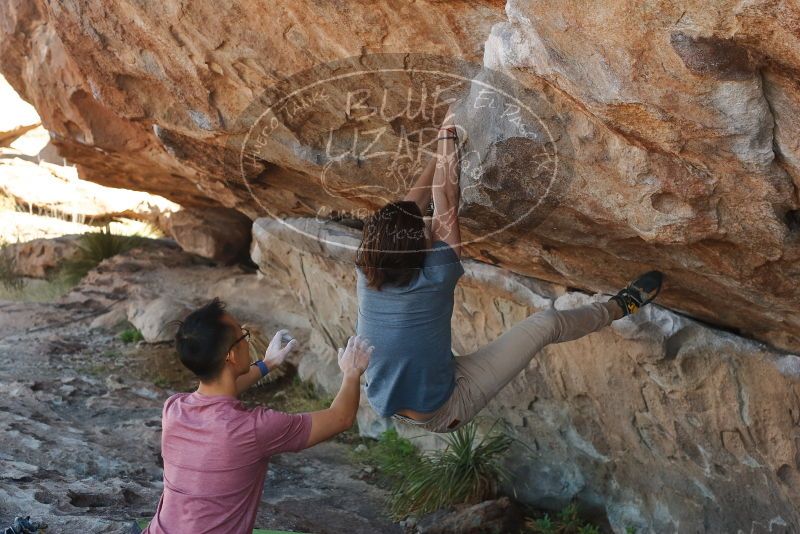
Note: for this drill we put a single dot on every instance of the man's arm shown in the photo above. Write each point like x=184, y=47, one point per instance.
x=341, y=415
x=446, y=191
x=353, y=361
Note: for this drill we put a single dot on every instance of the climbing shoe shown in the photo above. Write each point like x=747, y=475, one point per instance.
x=639, y=292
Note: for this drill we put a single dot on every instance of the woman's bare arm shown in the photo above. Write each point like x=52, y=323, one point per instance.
x=446, y=191
x=420, y=192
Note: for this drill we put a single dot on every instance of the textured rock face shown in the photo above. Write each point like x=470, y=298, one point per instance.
x=220, y=234
x=675, y=126
x=661, y=422
x=39, y=257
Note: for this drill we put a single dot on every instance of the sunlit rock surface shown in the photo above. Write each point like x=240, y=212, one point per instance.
x=658, y=420
x=39, y=258
x=670, y=133
x=58, y=191
x=34, y=178
x=15, y=120
x=675, y=127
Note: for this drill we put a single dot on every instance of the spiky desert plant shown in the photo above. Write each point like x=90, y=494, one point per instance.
x=468, y=470
x=94, y=247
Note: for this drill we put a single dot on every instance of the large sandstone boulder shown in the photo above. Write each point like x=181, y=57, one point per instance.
x=660, y=421
x=670, y=130
x=220, y=234
x=39, y=258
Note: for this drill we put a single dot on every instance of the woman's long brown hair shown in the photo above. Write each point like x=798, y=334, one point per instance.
x=393, y=244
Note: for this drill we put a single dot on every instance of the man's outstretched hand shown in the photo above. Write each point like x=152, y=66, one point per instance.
x=354, y=358
x=276, y=354
x=353, y=361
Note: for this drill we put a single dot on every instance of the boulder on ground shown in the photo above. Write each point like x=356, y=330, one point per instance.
x=40, y=257
x=668, y=135
x=219, y=234
x=152, y=318
x=489, y=517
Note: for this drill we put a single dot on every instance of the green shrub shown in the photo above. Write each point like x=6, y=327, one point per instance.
x=468, y=470
x=566, y=521
x=392, y=454
x=94, y=247
x=131, y=335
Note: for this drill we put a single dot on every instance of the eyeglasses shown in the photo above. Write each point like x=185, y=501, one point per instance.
x=246, y=335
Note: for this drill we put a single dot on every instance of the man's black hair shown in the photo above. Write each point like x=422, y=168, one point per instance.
x=203, y=340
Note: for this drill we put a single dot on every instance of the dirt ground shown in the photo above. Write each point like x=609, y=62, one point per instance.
x=80, y=412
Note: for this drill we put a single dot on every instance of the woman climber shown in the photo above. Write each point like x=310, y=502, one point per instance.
x=407, y=273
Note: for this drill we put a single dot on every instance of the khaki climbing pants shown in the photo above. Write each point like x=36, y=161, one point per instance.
x=481, y=375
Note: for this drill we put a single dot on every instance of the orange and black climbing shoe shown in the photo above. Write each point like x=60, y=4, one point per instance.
x=639, y=292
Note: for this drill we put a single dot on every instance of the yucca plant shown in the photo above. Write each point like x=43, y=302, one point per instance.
x=468, y=471
x=94, y=247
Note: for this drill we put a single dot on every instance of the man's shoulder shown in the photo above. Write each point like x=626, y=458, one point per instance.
x=279, y=431
x=177, y=397
x=266, y=417
x=265, y=414
x=173, y=401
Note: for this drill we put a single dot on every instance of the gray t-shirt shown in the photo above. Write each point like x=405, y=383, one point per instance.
x=412, y=364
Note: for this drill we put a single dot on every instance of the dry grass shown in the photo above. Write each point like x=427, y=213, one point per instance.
x=35, y=290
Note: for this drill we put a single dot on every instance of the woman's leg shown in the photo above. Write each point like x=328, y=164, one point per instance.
x=495, y=365
x=482, y=374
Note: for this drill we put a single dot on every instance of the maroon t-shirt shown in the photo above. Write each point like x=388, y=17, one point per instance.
x=216, y=453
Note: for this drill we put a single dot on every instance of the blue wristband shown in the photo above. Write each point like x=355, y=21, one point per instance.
x=262, y=366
